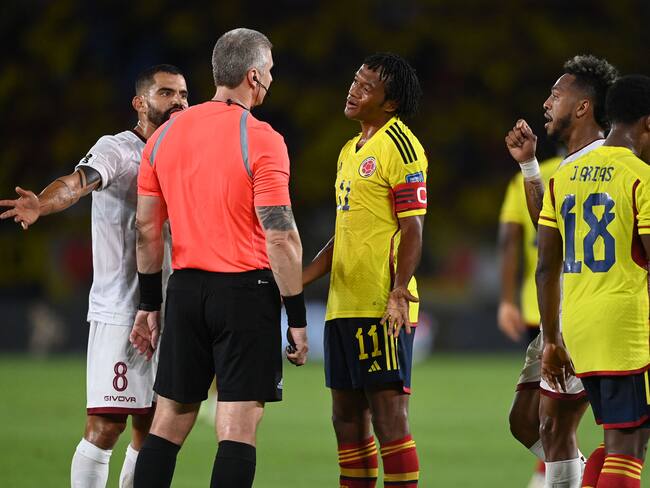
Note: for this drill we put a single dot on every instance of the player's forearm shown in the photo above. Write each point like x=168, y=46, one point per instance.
x=409, y=250
x=285, y=256
x=321, y=265
x=547, y=279
x=534, y=189
x=64, y=192
x=510, y=241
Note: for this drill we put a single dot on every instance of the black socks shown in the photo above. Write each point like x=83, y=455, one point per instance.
x=234, y=465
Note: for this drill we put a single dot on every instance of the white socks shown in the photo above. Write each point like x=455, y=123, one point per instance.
x=538, y=450
x=564, y=474
x=89, y=466
x=128, y=468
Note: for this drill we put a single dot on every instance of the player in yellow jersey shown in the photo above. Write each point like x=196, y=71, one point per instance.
x=372, y=308
x=545, y=419
x=595, y=229
x=518, y=315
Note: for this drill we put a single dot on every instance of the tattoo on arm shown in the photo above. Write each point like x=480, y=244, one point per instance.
x=276, y=218
x=534, y=198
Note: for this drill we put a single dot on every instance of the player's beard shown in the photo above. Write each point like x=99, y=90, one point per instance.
x=561, y=128
x=158, y=117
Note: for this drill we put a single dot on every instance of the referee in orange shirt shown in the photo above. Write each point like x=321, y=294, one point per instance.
x=221, y=178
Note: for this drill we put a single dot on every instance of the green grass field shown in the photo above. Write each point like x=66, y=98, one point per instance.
x=458, y=417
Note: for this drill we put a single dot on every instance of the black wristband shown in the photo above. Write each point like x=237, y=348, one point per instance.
x=296, y=312
x=150, y=291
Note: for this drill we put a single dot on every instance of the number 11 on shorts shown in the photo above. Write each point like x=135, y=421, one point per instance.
x=375, y=342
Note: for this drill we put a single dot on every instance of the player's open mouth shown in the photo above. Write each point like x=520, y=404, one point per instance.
x=350, y=104
x=549, y=119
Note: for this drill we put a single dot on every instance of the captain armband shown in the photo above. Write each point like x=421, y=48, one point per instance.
x=410, y=196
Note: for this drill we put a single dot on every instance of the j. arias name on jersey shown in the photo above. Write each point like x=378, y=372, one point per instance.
x=592, y=173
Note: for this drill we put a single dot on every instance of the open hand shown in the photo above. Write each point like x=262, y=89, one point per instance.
x=25, y=210
x=556, y=366
x=145, y=332
x=397, y=311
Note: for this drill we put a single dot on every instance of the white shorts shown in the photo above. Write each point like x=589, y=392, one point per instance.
x=118, y=379
x=531, y=375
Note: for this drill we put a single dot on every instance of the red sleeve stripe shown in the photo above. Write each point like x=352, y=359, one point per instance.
x=551, y=188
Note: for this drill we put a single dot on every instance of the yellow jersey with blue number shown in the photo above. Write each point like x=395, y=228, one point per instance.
x=377, y=184
x=601, y=205
x=514, y=210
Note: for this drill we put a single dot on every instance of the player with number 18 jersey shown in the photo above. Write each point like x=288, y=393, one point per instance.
x=601, y=204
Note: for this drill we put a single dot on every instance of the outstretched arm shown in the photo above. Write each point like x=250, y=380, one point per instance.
x=57, y=196
x=408, y=258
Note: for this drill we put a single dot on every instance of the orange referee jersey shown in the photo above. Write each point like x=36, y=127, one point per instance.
x=213, y=164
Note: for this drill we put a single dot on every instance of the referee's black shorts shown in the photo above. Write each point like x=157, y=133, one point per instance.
x=226, y=324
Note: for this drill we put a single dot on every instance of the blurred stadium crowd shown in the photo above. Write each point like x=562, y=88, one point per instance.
x=67, y=78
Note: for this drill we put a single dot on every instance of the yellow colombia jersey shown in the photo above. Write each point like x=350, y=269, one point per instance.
x=601, y=203
x=375, y=185
x=514, y=210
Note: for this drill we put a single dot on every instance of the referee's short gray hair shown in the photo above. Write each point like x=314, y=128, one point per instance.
x=235, y=53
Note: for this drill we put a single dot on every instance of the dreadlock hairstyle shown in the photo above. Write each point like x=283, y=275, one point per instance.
x=629, y=99
x=401, y=84
x=595, y=76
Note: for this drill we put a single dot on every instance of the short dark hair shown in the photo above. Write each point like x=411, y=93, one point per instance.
x=629, y=99
x=594, y=76
x=145, y=78
x=401, y=83
x=235, y=53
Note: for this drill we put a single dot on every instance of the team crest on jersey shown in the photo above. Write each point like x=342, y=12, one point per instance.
x=368, y=167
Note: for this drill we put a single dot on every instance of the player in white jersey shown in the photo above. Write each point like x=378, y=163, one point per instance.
x=542, y=418
x=119, y=381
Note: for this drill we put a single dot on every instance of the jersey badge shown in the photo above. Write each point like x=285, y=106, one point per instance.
x=368, y=167
x=415, y=177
